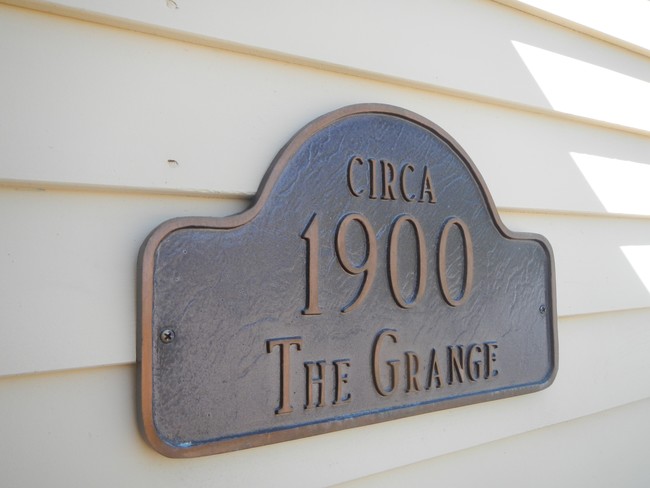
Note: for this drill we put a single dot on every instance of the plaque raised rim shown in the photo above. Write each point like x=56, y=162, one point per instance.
x=145, y=299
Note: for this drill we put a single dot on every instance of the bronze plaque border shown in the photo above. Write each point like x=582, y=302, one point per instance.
x=145, y=299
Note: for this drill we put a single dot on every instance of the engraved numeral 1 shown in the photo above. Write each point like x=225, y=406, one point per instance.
x=310, y=235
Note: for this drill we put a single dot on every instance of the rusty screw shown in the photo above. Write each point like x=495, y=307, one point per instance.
x=167, y=336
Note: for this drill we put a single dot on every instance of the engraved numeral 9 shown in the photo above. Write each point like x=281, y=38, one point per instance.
x=369, y=265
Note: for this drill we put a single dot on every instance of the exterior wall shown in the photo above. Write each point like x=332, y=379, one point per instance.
x=118, y=115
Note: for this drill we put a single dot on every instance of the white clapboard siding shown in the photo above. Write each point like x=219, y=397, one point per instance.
x=602, y=450
x=470, y=47
x=77, y=112
x=82, y=424
x=118, y=115
x=624, y=22
x=70, y=262
x=69, y=272
x=602, y=263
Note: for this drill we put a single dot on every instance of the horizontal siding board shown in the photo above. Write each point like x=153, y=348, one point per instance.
x=89, y=416
x=593, y=273
x=426, y=53
x=69, y=273
x=601, y=450
x=78, y=113
x=624, y=22
x=69, y=262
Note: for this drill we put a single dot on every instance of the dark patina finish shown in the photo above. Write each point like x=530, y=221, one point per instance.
x=371, y=279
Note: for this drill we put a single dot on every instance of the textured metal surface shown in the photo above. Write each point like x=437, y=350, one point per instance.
x=372, y=279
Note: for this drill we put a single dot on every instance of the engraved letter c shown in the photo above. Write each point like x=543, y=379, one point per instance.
x=353, y=190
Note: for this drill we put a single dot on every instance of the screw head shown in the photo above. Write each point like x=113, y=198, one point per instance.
x=542, y=309
x=167, y=336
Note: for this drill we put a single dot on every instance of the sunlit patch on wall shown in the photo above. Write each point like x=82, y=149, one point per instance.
x=621, y=186
x=587, y=90
x=639, y=258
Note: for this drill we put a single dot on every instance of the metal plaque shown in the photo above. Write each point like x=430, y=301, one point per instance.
x=371, y=279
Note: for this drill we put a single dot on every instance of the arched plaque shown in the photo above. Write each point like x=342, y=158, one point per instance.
x=371, y=279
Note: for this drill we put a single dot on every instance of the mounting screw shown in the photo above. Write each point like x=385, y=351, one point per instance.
x=542, y=309
x=167, y=336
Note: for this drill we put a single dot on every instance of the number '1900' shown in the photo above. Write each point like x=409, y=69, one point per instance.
x=368, y=266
